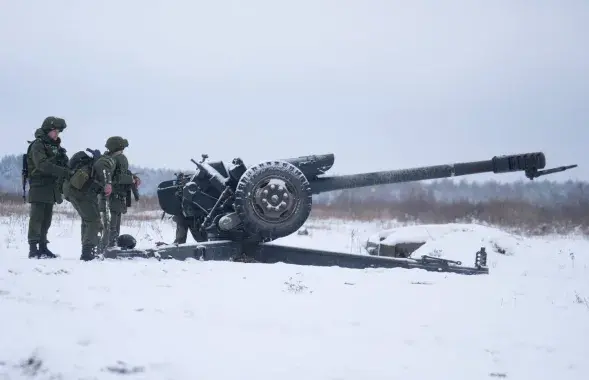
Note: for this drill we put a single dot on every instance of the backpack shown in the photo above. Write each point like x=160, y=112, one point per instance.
x=25, y=173
x=82, y=166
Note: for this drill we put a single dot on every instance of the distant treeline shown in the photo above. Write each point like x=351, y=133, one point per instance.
x=422, y=206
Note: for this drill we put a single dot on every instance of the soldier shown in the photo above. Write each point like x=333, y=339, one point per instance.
x=91, y=176
x=183, y=224
x=115, y=205
x=46, y=167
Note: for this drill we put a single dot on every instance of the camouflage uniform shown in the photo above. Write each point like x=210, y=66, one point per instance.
x=122, y=180
x=47, y=169
x=85, y=201
x=183, y=225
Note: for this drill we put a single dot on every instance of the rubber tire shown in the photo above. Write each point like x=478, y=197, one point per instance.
x=258, y=229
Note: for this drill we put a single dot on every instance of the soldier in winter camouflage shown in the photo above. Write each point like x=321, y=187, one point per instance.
x=91, y=176
x=46, y=163
x=183, y=225
x=112, y=207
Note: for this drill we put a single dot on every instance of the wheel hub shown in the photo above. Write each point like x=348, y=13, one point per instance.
x=274, y=199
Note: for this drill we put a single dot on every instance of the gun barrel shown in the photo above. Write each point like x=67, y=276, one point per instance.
x=498, y=164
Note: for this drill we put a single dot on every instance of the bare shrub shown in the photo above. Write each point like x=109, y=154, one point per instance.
x=147, y=209
x=517, y=215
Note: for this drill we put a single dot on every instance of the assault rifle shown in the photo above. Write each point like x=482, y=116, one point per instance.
x=24, y=177
x=132, y=189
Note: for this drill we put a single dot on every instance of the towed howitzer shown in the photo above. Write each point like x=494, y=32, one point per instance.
x=273, y=199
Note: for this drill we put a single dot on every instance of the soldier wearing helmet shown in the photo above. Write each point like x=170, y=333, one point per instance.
x=45, y=165
x=114, y=205
x=91, y=176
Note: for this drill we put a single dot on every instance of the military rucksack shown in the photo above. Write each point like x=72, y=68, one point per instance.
x=25, y=171
x=82, y=166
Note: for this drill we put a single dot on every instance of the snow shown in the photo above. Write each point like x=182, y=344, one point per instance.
x=67, y=319
x=454, y=241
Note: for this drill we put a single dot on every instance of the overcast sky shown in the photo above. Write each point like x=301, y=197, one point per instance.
x=382, y=84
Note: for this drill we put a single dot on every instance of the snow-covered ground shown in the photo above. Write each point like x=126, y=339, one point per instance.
x=66, y=319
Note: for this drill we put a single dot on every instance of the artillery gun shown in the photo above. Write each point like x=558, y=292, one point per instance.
x=240, y=209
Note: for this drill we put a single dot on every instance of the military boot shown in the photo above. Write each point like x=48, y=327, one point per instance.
x=33, y=251
x=87, y=253
x=45, y=253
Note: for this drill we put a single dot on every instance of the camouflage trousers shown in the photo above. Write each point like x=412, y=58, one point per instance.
x=184, y=225
x=86, y=204
x=111, y=220
x=40, y=216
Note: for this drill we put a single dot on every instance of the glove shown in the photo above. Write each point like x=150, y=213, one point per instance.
x=62, y=157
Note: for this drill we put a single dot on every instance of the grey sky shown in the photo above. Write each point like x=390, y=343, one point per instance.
x=382, y=84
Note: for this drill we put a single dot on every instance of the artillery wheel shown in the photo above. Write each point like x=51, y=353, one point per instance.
x=273, y=199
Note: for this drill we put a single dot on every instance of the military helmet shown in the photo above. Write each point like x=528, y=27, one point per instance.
x=52, y=122
x=126, y=241
x=116, y=143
